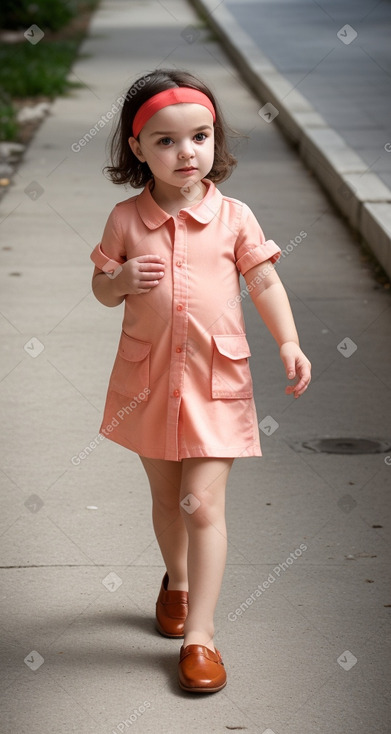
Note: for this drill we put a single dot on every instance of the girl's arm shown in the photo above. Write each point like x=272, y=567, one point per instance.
x=105, y=289
x=271, y=301
x=137, y=275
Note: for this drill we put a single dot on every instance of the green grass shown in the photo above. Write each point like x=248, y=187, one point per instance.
x=8, y=124
x=47, y=14
x=52, y=14
x=31, y=71
x=28, y=71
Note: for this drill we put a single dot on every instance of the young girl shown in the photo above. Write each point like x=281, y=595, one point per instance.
x=180, y=392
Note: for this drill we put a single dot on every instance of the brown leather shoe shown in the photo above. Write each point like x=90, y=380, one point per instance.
x=171, y=610
x=201, y=670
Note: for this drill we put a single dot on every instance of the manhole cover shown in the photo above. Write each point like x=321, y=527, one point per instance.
x=346, y=446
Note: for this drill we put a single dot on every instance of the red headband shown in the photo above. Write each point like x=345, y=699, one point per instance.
x=177, y=95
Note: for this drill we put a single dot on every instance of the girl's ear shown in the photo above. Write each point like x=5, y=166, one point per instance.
x=135, y=148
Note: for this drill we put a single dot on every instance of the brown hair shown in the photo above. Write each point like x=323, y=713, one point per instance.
x=125, y=167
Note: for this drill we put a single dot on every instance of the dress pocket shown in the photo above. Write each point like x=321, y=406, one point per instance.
x=231, y=376
x=130, y=374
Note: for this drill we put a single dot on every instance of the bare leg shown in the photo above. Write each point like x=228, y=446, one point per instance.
x=170, y=530
x=206, y=480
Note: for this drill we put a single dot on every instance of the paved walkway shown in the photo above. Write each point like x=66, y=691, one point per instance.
x=80, y=566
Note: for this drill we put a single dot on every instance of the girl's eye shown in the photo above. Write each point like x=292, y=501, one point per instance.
x=199, y=137
x=165, y=141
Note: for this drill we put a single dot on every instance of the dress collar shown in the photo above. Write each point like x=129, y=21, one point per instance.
x=204, y=211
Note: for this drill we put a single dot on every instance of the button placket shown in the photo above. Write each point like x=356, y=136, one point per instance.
x=179, y=334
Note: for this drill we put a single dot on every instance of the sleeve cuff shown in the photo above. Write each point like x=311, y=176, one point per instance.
x=267, y=251
x=107, y=264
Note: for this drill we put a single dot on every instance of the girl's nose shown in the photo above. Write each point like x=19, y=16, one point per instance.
x=186, y=150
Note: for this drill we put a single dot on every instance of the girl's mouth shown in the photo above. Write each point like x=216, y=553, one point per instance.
x=187, y=169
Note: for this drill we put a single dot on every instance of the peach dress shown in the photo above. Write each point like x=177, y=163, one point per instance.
x=181, y=384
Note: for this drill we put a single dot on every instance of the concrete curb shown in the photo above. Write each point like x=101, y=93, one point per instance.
x=359, y=194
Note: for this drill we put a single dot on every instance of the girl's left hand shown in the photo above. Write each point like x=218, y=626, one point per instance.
x=296, y=365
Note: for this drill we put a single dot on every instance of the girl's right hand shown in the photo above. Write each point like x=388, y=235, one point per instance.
x=140, y=274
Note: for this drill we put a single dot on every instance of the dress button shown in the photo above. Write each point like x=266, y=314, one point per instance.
x=178, y=350
x=181, y=215
x=179, y=307
x=178, y=263
x=176, y=393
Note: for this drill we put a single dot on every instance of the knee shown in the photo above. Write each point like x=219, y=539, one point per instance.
x=199, y=510
x=166, y=504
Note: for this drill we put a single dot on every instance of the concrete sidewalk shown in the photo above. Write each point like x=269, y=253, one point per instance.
x=322, y=72
x=80, y=565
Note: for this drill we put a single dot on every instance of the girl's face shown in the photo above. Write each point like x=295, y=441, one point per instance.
x=178, y=145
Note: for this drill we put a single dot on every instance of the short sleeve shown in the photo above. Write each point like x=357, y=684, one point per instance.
x=110, y=253
x=251, y=247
